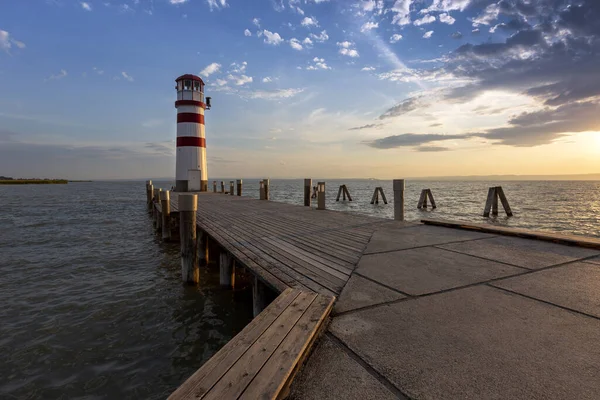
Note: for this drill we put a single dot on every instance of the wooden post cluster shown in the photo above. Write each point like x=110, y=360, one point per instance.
x=239, y=187
x=343, y=191
x=492, y=202
x=155, y=199
x=375, y=198
x=222, y=187
x=307, y=186
x=149, y=194
x=165, y=202
x=259, y=296
x=426, y=193
x=321, y=196
x=215, y=186
x=188, y=205
x=231, y=188
x=226, y=269
x=398, y=199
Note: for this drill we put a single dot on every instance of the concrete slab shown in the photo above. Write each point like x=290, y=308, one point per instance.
x=525, y=253
x=389, y=239
x=360, y=292
x=576, y=286
x=595, y=260
x=428, y=269
x=478, y=343
x=331, y=373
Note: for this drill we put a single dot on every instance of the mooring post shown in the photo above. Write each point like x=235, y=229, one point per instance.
x=261, y=190
x=398, y=199
x=321, y=196
x=266, y=183
x=159, y=211
x=259, y=296
x=155, y=199
x=239, y=187
x=215, y=186
x=188, y=205
x=231, y=188
x=226, y=269
x=495, y=193
x=222, y=187
x=150, y=196
x=307, y=186
x=202, y=240
x=504, y=201
x=165, y=202
x=149, y=189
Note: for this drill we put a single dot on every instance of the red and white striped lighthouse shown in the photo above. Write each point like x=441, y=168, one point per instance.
x=190, y=171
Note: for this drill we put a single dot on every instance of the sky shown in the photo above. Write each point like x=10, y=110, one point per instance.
x=302, y=88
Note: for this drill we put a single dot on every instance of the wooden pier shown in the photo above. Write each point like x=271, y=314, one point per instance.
x=403, y=310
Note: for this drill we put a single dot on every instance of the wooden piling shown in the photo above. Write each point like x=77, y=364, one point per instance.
x=165, y=202
x=222, y=187
x=426, y=194
x=495, y=193
x=231, y=188
x=504, y=201
x=307, y=186
x=321, y=196
x=398, y=199
x=344, y=192
x=376, y=193
x=261, y=190
x=226, y=269
x=239, y=187
x=259, y=296
x=203, y=254
x=150, y=197
x=155, y=199
x=266, y=186
x=188, y=205
x=158, y=224
x=215, y=186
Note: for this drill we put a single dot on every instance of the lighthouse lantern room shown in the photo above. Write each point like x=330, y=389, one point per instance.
x=190, y=171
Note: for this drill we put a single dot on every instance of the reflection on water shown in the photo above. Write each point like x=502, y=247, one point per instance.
x=93, y=306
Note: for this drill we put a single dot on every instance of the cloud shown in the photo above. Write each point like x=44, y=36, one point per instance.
x=431, y=148
x=220, y=82
x=256, y=22
x=98, y=71
x=427, y=19
x=368, y=69
x=274, y=94
x=309, y=21
x=62, y=74
x=404, y=107
x=427, y=34
x=272, y=38
x=86, y=6
x=212, y=4
x=307, y=41
x=456, y=35
x=435, y=125
x=368, y=126
x=210, y=69
x=476, y=31
x=318, y=63
x=447, y=5
x=411, y=140
x=178, y=1
x=6, y=42
x=395, y=37
x=321, y=37
x=346, y=49
x=125, y=75
x=446, y=19
x=267, y=79
x=367, y=26
x=295, y=44
x=240, y=80
x=247, y=32
x=401, y=12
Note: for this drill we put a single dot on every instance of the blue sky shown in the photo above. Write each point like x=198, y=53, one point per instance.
x=302, y=87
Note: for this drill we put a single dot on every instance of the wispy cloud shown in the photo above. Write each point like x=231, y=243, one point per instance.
x=274, y=94
x=367, y=26
x=346, y=48
x=247, y=32
x=127, y=76
x=318, y=63
x=212, y=4
x=6, y=42
x=321, y=37
x=395, y=37
x=295, y=44
x=427, y=34
x=86, y=6
x=62, y=74
x=309, y=21
x=272, y=38
x=210, y=69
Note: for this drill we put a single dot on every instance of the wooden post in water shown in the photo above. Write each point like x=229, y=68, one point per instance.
x=259, y=296
x=495, y=193
x=266, y=185
x=239, y=187
x=307, y=186
x=159, y=212
x=425, y=194
x=202, y=240
x=155, y=199
x=376, y=193
x=188, y=205
x=222, y=187
x=231, y=188
x=226, y=269
x=398, y=199
x=165, y=202
x=215, y=186
x=149, y=193
x=344, y=192
x=321, y=196
x=261, y=190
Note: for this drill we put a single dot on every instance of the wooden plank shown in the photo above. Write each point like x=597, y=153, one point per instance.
x=421, y=199
x=277, y=373
x=488, y=203
x=205, y=377
x=236, y=379
x=504, y=201
x=431, y=198
x=570, y=240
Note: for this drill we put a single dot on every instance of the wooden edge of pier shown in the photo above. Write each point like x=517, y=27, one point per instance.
x=570, y=240
x=261, y=361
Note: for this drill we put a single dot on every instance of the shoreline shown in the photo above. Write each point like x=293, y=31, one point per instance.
x=34, y=182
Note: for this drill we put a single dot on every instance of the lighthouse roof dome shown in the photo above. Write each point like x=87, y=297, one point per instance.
x=190, y=77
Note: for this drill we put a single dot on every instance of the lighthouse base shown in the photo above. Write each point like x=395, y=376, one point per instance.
x=183, y=186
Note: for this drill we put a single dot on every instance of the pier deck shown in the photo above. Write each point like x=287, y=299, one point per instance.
x=425, y=311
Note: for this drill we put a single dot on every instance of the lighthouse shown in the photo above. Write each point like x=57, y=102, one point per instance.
x=190, y=170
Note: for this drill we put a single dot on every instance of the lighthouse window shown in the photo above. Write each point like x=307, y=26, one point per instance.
x=179, y=85
x=196, y=86
x=187, y=85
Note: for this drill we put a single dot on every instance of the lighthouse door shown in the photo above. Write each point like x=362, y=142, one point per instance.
x=194, y=178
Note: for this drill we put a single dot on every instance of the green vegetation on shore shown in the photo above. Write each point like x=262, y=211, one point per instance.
x=11, y=181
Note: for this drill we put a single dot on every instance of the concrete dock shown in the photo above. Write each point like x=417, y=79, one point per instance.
x=418, y=310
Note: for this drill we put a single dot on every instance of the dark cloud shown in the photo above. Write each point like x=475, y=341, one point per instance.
x=411, y=140
x=431, y=149
x=456, y=35
x=165, y=148
x=406, y=106
x=436, y=124
x=368, y=126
